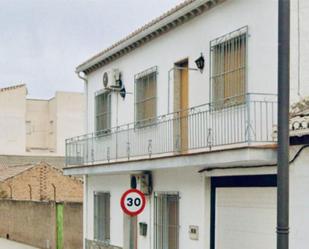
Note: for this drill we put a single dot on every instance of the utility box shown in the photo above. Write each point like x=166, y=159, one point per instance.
x=143, y=229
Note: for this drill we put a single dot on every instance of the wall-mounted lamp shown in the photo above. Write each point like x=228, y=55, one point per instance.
x=200, y=63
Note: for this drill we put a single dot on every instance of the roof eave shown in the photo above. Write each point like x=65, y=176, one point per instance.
x=157, y=26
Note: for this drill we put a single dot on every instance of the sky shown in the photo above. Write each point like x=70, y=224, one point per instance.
x=42, y=41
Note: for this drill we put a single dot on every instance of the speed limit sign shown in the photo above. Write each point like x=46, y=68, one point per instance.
x=133, y=202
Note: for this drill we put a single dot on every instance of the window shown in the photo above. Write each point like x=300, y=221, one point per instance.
x=166, y=221
x=228, y=79
x=103, y=111
x=51, y=127
x=28, y=127
x=102, y=216
x=146, y=96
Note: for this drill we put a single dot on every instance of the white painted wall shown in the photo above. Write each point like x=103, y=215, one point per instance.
x=193, y=205
x=188, y=41
x=116, y=185
x=70, y=117
x=194, y=189
x=299, y=49
x=54, y=120
x=50, y=122
x=38, y=117
x=12, y=121
x=299, y=203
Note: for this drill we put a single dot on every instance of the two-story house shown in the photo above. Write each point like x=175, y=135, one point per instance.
x=185, y=109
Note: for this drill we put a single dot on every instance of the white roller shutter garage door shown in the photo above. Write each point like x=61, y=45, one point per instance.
x=245, y=218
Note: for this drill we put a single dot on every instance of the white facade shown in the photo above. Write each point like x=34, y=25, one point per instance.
x=37, y=126
x=228, y=193
x=189, y=41
x=12, y=118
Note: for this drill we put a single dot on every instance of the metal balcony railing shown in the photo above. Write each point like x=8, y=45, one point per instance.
x=238, y=121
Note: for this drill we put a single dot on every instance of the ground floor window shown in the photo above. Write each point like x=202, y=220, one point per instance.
x=166, y=220
x=102, y=216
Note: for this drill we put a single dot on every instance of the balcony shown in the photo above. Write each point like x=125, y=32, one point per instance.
x=236, y=122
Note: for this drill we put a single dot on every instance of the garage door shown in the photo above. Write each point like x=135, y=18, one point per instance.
x=245, y=218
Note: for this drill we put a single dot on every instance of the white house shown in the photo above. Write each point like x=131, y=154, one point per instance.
x=202, y=141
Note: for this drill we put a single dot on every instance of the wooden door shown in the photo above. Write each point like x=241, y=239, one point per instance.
x=184, y=105
x=181, y=105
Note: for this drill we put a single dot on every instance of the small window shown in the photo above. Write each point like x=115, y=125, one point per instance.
x=166, y=221
x=28, y=128
x=102, y=216
x=103, y=111
x=51, y=127
x=146, y=97
x=228, y=74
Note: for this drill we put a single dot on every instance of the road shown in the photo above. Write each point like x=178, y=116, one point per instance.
x=8, y=244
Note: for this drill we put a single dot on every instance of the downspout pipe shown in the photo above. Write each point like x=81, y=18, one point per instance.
x=283, y=124
x=85, y=180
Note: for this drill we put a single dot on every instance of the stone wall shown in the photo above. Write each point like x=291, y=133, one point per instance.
x=34, y=223
x=72, y=225
x=90, y=244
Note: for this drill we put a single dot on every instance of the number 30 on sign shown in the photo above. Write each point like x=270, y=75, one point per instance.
x=133, y=202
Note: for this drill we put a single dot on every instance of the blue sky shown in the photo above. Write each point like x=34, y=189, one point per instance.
x=42, y=41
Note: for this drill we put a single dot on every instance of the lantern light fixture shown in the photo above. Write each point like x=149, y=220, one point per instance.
x=200, y=63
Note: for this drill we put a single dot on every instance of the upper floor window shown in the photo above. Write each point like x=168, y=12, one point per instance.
x=103, y=111
x=146, y=96
x=102, y=216
x=229, y=69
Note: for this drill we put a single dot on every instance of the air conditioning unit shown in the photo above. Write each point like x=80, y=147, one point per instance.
x=142, y=182
x=111, y=78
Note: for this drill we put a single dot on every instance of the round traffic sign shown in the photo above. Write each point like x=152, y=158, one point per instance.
x=133, y=202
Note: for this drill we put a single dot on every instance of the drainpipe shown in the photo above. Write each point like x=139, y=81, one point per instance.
x=85, y=177
x=283, y=124
x=85, y=210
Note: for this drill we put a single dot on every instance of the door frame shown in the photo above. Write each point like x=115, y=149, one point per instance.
x=182, y=119
x=245, y=181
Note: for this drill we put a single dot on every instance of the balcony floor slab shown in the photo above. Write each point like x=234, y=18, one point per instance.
x=238, y=157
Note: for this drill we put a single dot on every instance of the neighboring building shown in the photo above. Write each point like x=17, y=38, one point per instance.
x=37, y=126
x=12, y=160
x=39, y=182
x=205, y=139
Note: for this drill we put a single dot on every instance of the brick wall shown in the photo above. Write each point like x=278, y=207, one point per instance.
x=42, y=182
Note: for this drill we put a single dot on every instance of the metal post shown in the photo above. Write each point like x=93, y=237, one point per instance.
x=283, y=124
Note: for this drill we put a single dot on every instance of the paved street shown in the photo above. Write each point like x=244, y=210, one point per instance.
x=8, y=244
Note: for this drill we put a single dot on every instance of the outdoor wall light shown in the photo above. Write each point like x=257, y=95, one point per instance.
x=200, y=63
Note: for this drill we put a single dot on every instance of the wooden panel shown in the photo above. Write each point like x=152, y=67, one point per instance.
x=184, y=105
